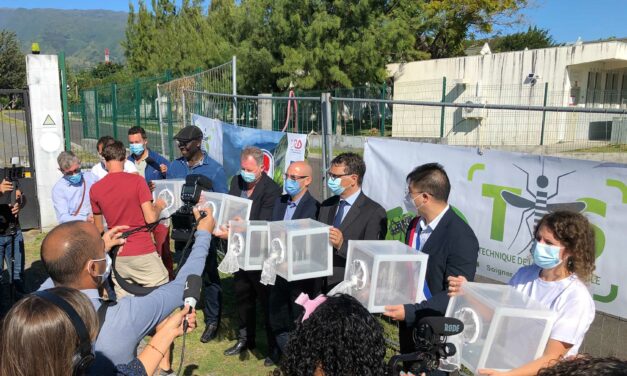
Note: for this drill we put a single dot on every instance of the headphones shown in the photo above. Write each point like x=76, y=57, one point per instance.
x=84, y=355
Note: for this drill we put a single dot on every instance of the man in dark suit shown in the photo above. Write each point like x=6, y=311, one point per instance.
x=252, y=183
x=439, y=232
x=353, y=215
x=296, y=204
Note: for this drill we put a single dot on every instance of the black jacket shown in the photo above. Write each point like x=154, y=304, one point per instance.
x=453, y=250
x=308, y=207
x=264, y=196
x=366, y=220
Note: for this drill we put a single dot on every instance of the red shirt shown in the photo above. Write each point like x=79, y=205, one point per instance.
x=118, y=197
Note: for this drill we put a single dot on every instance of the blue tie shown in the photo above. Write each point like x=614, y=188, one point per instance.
x=425, y=290
x=340, y=213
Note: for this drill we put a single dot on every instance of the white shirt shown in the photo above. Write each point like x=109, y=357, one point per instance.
x=100, y=171
x=569, y=297
x=427, y=229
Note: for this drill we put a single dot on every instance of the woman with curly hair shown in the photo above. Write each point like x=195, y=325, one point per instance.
x=340, y=338
x=563, y=262
x=586, y=365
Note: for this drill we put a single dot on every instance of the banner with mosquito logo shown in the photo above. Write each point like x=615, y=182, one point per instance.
x=502, y=196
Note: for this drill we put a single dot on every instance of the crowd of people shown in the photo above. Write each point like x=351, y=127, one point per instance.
x=84, y=320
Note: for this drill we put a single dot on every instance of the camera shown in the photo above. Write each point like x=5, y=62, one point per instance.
x=183, y=221
x=12, y=174
x=430, y=336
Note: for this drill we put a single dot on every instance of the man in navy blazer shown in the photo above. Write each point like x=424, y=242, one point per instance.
x=298, y=203
x=353, y=215
x=252, y=183
x=438, y=231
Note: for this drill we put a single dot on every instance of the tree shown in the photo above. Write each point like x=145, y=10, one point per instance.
x=12, y=62
x=533, y=38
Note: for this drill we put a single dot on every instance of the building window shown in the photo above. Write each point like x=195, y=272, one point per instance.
x=611, y=90
x=593, y=95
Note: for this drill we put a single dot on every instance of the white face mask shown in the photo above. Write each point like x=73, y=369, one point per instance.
x=107, y=271
x=410, y=204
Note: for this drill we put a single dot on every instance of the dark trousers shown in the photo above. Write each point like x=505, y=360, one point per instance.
x=283, y=309
x=248, y=290
x=211, y=293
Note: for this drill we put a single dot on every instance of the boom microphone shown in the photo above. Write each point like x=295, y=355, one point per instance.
x=439, y=326
x=191, y=294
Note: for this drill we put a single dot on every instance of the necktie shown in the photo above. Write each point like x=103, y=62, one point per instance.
x=340, y=213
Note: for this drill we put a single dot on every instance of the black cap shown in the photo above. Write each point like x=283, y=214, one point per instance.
x=191, y=132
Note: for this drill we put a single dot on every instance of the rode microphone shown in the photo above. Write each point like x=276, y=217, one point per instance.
x=191, y=294
x=439, y=326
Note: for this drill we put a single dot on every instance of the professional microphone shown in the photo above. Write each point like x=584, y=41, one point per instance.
x=439, y=326
x=152, y=163
x=191, y=294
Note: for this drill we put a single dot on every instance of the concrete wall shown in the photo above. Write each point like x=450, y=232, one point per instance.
x=500, y=79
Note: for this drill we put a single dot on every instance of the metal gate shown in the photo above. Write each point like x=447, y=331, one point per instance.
x=16, y=148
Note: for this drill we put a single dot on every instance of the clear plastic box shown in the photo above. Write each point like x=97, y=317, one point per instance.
x=249, y=241
x=503, y=328
x=301, y=248
x=225, y=207
x=169, y=191
x=384, y=272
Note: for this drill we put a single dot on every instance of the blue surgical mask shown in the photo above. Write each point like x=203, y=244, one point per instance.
x=248, y=177
x=335, y=185
x=75, y=179
x=136, y=149
x=292, y=187
x=546, y=256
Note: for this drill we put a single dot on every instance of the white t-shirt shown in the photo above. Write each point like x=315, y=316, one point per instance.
x=568, y=297
x=100, y=171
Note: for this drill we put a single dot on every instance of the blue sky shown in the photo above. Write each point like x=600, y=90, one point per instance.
x=566, y=19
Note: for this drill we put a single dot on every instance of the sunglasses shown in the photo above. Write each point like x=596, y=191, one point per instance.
x=72, y=172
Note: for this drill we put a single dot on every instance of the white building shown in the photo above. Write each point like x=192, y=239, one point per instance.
x=584, y=75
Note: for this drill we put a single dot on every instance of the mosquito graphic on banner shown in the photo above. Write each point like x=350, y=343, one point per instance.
x=502, y=195
x=224, y=142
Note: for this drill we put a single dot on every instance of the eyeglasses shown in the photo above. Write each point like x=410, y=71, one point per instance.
x=413, y=196
x=72, y=172
x=334, y=176
x=294, y=177
x=183, y=143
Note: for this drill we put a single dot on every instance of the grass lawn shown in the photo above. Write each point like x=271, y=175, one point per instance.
x=200, y=359
x=617, y=148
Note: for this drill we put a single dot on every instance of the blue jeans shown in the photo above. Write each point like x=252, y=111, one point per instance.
x=6, y=252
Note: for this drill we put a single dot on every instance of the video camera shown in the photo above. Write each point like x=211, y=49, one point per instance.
x=13, y=174
x=183, y=221
x=430, y=336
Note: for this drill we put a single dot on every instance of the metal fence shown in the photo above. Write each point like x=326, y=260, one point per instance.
x=525, y=118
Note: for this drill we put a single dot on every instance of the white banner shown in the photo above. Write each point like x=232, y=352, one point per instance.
x=500, y=194
x=296, y=145
x=212, y=136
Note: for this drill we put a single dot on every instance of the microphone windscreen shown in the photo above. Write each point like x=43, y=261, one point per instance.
x=152, y=163
x=191, y=294
x=443, y=326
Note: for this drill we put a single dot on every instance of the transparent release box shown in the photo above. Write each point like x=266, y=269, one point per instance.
x=383, y=272
x=249, y=241
x=299, y=249
x=503, y=328
x=170, y=192
x=225, y=207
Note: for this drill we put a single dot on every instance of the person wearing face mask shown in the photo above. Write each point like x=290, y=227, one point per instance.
x=150, y=164
x=100, y=169
x=124, y=199
x=439, y=232
x=194, y=160
x=252, y=183
x=70, y=195
x=563, y=261
x=297, y=203
x=75, y=255
x=353, y=215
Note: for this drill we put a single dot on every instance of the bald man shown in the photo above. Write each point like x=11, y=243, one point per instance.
x=74, y=255
x=296, y=204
